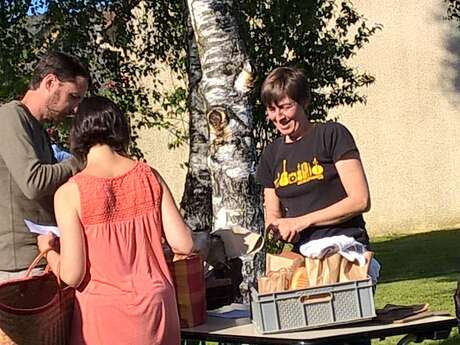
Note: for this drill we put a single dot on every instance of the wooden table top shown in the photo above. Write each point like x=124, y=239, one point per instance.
x=221, y=329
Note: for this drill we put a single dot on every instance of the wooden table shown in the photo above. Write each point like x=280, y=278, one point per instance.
x=243, y=331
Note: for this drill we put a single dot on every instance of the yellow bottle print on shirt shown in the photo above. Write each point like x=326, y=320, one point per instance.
x=305, y=172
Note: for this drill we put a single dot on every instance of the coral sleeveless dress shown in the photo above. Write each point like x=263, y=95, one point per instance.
x=127, y=296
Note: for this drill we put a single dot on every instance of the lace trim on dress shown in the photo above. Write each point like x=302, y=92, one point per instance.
x=120, y=198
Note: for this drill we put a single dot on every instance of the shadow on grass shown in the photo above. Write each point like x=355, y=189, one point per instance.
x=451, y=341
x=417, y=256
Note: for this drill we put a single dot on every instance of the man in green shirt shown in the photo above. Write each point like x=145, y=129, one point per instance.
x=29, y=172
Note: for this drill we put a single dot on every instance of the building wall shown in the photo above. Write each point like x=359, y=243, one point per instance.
x=408, y=132
x=170, y=163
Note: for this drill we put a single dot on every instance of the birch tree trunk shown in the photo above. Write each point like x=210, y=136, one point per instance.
x=227, y=79
x=196, y=204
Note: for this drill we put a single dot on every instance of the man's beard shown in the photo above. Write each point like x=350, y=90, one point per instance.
x=52, y=113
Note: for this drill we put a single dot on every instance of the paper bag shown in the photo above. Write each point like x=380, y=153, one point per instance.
x=276, y=281
x=350, y=271
x=323, y=271
x=335, y=268
x=287, y=260
x=332, y=268
x=299, y=279
x=188, y=277
x=314, y=269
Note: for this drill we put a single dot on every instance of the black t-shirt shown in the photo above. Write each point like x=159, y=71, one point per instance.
x=305, y=179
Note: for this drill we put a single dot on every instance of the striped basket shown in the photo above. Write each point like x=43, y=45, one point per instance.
x=35, y=310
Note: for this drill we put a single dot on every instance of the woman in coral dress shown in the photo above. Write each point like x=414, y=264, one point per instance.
x=112, y=217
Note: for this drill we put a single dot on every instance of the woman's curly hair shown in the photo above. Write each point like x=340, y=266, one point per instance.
x=98, y=121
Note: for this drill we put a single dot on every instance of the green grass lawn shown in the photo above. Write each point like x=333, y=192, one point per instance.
x=419, y=268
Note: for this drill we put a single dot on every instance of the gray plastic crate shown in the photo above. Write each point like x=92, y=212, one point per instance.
x=315, y=307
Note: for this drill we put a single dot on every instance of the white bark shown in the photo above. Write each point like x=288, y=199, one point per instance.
x=227, y=79
x=226, y=82
x=196, y=200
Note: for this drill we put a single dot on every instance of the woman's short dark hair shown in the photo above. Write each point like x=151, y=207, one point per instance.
x=65, y=67
x=285, y=81
x=98, y=121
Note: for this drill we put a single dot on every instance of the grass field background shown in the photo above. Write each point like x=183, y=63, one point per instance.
x=419, y=268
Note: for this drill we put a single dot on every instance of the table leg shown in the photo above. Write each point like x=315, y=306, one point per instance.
x=193, y=342
x=418, y=338
x=409, y=339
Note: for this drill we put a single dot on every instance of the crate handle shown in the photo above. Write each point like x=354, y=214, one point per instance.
x=316, y=298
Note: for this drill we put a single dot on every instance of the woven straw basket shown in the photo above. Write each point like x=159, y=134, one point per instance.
x=35, y=310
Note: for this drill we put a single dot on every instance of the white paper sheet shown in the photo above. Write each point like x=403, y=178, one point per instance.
x=41, y=229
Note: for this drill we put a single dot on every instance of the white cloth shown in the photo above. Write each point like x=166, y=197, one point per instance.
x=346, y=246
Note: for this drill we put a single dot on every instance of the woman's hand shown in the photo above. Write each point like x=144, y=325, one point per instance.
x=287, y=228
x=47, y=242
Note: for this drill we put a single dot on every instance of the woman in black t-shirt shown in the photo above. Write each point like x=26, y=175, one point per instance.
x=313, y=179
x=314, y=183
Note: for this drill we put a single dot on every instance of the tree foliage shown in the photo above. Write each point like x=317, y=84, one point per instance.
x=125, y=41
x=319, y=36
x=453, y=10
x=16, y=47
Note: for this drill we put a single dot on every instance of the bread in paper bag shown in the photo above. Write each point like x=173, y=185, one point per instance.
x=288, y=260
x=275, y=281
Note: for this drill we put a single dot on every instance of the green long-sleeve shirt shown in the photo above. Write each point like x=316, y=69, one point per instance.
x=29, y=176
